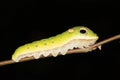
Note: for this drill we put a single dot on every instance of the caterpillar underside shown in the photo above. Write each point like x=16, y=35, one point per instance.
x=76, y=43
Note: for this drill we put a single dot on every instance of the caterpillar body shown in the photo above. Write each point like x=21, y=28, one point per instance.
x=76, y=37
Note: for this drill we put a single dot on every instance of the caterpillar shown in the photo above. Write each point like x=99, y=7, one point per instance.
x=76, y=37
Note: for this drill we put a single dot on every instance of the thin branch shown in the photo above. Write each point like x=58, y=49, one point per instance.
x=85, y=50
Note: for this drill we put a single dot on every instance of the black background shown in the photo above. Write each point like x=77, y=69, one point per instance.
x=23, y=21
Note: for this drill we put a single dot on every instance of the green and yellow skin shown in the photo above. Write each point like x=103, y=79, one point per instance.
x=76, y=37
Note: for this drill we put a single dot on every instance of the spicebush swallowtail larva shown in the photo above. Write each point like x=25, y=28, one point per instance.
x=76, y=37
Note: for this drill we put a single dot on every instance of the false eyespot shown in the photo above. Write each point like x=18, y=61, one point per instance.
x=76, y=37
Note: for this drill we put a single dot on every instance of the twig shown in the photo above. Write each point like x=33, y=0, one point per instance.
x=85, y=50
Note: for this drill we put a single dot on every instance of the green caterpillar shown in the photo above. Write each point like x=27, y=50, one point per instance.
x=76, y=37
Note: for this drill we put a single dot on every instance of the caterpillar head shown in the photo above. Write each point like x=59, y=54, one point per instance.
x=81, y=32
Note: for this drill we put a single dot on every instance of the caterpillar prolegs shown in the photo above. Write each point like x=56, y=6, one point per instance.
x=76, y=37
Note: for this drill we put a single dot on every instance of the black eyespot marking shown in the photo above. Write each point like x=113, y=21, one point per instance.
x=82, y=31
